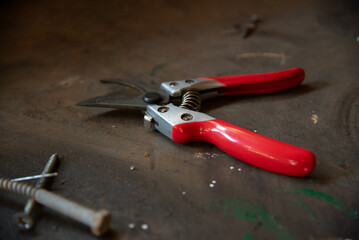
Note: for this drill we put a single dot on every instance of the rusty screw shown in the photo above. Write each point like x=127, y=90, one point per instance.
x=24, y=220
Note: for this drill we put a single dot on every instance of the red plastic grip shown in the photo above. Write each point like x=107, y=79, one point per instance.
x=250, y=147
x=261, y=83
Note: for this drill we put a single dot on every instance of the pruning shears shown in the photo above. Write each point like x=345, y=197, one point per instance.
x=173, y=111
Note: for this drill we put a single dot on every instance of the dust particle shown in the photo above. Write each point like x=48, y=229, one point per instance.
x=146, y=154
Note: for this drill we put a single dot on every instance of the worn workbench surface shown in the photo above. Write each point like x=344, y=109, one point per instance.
x=52, y=55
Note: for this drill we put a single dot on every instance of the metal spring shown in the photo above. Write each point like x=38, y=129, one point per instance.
x=191, y=100
x=17, y=187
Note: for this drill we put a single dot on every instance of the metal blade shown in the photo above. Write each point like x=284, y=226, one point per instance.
x=147, y=96
x=116, y=101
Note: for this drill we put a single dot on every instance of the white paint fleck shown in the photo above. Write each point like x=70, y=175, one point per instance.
x=255, y=130
x=131, y=225
x=69, y=81
x=211, y=185
x=206, y=155
x=183, y=193
x=214, y=181
x=314, y=117
x=239, y=169
x=132, y=168
x=144, y=226
x=231, y=167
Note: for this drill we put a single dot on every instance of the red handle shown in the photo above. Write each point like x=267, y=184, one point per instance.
x=261, y=83
x=250, y=147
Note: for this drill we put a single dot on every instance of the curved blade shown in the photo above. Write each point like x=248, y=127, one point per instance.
x=132, y=84
x=115, y=101
x=147, y=96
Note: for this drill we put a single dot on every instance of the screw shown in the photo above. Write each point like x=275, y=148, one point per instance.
x=189, y=81
x=24, y=220
x=163, y=109
x=98, y=221
x=173, y=84
x=186, y=117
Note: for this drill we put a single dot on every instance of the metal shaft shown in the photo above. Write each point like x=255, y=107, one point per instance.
x=46, y=175
x=98, y=221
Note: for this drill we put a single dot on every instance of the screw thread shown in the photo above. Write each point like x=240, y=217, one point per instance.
x=17, y=187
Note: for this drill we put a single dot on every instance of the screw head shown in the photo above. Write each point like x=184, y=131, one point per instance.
x=163, y=109
x=23, y=221
x=173, y=84
x=186, y=117
x=189, y=81
x=101, y=222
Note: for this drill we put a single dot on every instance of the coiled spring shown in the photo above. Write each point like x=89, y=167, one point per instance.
x=191, y=100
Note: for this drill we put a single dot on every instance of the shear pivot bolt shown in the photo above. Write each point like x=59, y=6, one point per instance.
x=186, y=117
x=163, y=109
x=152, y=97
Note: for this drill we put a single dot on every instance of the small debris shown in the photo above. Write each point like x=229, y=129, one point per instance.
x=146, y=154
x=132, y=168
x=358, y=38
x=131, y=225
x=183, y=193
x=343, y=165
x=144, y=226
x=211, y=185
x=314, y=117
x=231, y=167
x=63, y=181
x=239, y=169
x=113, y=126
x=255, y=130
x=214, y=181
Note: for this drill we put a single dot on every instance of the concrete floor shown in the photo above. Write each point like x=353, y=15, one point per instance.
x=52, y=55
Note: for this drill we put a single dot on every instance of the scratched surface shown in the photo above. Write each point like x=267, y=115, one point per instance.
x=52, y=55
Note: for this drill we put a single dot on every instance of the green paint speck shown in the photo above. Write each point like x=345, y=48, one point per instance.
x=312, y=216
x=247, y=211
x=248, y=236
x=319, y=195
